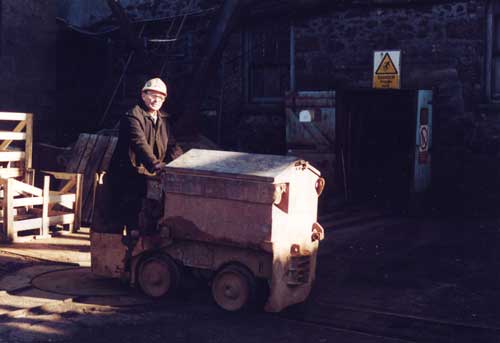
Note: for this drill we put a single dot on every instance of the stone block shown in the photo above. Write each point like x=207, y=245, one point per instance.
x=321, y=65
x=464, y=29
x=335, y=46
x=307, y=44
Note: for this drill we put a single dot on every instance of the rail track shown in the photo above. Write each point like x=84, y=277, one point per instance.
x=356, y=323
x=392, y=327
x=379, y=324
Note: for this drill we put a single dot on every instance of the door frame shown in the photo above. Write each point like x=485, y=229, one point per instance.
x=343, y=143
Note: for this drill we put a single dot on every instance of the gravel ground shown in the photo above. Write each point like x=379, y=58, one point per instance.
x=440, y=269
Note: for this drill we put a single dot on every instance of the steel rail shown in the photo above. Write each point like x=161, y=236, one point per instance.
x=416, y=325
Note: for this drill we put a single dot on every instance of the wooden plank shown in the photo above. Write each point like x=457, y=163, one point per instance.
x=77, y=152
x=91, y=167
x=26, y=188
x=32, y=201
x=56, y=197
x=87, y=154
x=8, y=211
x=65, y=189
x=15, y=193
x=78, y=203
x=62, y=219
x=108, y=154
x=315, y=102
x=82, y=151
x=29, y=141
x=104, y=165
x=19, y=127
x=13, y=136
x=62, y=198
x=69, y=185
x=8, y=173
x=3, y=230
x=60, y=175
x=27, y=224
x=317, y=135
x=12, y=116
x=3, y=184
x=11, y=156
x=29, y=238
x=91, y=153
x=29, y=176
x=45, y=205
x=65, y=200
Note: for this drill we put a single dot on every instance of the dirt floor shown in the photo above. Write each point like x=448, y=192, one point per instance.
x=380, y=278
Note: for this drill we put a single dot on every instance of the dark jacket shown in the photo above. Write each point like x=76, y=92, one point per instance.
x=141, y=144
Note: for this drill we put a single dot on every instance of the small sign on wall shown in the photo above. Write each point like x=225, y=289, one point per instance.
x=306, y=116
x=387, y=69
x=424, y=133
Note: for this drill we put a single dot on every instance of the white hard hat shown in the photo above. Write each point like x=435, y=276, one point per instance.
x=155, y=84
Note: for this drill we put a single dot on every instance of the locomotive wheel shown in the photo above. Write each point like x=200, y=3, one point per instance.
x=158, y=275
x=233, y=288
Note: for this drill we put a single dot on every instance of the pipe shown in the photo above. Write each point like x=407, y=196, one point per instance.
x=292, y=58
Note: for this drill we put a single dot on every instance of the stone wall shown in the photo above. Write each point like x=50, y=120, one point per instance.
x=442, y=49
x=336, y=49
x=442, y=46
x=27, y=60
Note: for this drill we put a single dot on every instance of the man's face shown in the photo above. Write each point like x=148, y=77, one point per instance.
x=153, y=99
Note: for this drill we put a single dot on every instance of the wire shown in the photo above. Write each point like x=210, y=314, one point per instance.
x=169, y=46
x=93, y=33
x=156, y=40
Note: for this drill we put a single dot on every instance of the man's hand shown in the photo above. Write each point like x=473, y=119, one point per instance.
x=159, y=167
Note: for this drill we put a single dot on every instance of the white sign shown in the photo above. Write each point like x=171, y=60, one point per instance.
x=424, y=138
x=306, y=116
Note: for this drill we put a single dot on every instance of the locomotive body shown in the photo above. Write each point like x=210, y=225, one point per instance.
x=241, y=217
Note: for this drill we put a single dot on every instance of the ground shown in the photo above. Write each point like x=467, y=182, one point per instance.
x=380, y=278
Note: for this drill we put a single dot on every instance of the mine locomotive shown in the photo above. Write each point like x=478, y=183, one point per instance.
x=240, y=218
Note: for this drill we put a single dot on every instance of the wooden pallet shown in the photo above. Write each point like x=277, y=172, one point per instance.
x=28, y=211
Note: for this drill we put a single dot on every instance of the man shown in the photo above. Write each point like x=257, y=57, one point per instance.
x=145, y=145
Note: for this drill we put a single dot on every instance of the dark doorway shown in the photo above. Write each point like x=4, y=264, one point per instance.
x=376, y=138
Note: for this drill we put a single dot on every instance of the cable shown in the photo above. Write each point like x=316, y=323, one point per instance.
x=93, y=33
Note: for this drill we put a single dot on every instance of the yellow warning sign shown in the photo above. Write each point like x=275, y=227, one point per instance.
x=386, y=66
x=386, y=69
